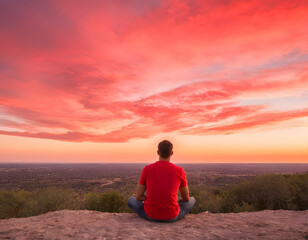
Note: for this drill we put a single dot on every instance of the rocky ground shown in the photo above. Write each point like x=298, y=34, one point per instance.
x=85, y=224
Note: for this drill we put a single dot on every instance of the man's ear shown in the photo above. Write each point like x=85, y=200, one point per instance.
x=158, y=152
x=171, y=153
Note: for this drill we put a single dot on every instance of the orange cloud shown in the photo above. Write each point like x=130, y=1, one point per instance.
x=111, y=72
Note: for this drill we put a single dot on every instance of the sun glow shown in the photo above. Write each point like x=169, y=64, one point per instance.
x=106, y=81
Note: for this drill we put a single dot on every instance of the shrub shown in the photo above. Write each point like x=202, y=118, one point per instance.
x=52, y=199
x=299, y=190
x=207, y=200
x=15, y=204
x=106, y=202
x=273, y=191
x=243, y=207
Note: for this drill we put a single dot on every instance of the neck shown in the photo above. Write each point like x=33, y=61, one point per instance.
x=164, y=159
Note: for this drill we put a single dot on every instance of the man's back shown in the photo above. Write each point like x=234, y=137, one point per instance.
x=162, y=180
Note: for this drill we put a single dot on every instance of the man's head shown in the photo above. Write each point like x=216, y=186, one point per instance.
x=165, y=149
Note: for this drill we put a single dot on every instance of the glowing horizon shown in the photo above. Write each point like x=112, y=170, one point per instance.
x=225, y=81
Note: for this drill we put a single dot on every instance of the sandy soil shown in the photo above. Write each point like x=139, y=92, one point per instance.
x=67, y=224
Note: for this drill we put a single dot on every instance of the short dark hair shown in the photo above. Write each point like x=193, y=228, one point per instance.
x=165, y=148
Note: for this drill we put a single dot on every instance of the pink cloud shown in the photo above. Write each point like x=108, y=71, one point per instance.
x=150, y=67
x=259, y=120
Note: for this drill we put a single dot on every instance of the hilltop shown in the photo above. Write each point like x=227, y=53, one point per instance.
x=84, y=224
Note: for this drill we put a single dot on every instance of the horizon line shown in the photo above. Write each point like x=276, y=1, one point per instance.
x=153, y=162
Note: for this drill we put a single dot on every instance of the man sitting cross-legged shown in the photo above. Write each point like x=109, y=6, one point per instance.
x=157, y=192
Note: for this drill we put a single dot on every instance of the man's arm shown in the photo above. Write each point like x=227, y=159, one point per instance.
x=184, y=194
x=140, y=192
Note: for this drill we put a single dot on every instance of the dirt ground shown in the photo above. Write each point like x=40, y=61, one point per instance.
x=85, y=224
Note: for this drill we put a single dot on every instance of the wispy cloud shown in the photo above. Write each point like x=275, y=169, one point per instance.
x=111, y=72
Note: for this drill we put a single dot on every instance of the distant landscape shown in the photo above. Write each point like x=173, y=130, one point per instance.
x=31, y=189
x=124, y=177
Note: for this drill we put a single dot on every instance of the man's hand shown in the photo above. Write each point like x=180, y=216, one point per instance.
x=140, y=192
x=184, y=194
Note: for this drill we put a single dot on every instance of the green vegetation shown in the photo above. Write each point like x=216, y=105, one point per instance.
x=106, y=202
x=24, y=204
x=273, y=191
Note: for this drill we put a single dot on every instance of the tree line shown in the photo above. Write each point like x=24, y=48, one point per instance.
x=272, y=191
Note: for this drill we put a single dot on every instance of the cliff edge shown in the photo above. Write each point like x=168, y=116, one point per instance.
x=66, y=224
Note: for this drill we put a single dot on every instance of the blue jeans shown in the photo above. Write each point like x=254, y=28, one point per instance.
x=138, y=207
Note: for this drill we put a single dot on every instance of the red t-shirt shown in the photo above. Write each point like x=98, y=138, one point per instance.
x=162, y=180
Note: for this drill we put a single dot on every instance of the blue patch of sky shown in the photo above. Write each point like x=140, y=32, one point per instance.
x=216, y=67
x=5, y=66
x=281, y=103
x=142, y=7
x=10, y=72
x=204, y=70
x=287, y=102
x=294, y=56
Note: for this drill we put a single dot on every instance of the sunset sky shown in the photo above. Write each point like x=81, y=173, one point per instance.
x=105, y=81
